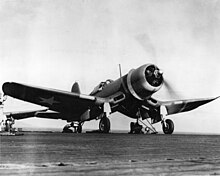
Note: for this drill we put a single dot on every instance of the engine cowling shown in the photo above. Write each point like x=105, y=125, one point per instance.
x=144, y=81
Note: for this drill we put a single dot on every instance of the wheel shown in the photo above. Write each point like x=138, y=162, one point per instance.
x=169, y=128
x=79, y=129
x=104, y=125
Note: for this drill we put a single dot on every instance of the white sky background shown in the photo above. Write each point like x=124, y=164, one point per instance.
x=55, y=43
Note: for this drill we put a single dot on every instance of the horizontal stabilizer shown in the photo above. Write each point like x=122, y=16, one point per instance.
x=23, y=114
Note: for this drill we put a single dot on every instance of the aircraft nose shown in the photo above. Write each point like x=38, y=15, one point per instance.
x=154, y=75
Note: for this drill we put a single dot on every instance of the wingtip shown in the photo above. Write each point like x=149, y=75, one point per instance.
x=5, y=87
x=216, y=97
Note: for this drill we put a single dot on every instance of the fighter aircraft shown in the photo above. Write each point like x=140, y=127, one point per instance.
x=130, y=95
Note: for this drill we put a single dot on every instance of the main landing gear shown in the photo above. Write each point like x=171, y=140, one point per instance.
x=136, y=128
x=73, y=127
x=104, y=125
x=167, y=126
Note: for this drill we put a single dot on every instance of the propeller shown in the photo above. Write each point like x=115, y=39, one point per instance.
x=170, y=90
x=146, y=43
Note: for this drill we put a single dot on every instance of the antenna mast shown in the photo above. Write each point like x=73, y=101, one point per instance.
x=120, y=70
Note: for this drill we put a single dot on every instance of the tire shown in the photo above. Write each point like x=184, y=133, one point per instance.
x=169, y=128
x=104, y=125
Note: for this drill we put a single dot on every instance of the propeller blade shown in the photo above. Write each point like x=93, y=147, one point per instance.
x=170, y=89
x=146, y=43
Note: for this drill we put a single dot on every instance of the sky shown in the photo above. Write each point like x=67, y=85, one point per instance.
x=53, y=43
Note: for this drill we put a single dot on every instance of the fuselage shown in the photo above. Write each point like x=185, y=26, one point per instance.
x=129, y=91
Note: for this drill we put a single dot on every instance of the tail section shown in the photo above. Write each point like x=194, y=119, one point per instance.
x=75, y=88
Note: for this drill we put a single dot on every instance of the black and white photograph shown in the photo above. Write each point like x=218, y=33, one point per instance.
x=106, y=87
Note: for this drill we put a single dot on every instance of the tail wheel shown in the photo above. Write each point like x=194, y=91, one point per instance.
x=168, y=126
x=104, y=125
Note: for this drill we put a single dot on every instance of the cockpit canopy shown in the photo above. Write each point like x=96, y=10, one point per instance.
x=101, y=86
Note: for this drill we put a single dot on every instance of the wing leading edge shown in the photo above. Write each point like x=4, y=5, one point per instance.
x=178, y=106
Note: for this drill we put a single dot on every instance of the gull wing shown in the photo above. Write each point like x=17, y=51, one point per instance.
x=68, y=103
x=178, y=106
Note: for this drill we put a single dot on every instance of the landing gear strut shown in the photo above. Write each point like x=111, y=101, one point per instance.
x=168, y=126
x=104, y=124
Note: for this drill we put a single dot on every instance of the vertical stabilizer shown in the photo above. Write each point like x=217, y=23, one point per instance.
x=75, y=88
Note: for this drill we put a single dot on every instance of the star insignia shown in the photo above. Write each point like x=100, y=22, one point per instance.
x=49, y=101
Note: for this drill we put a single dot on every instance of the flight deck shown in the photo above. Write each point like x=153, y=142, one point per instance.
x=55, y=153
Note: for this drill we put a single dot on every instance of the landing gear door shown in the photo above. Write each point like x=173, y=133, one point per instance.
x=85, y=116
x=155, y=115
